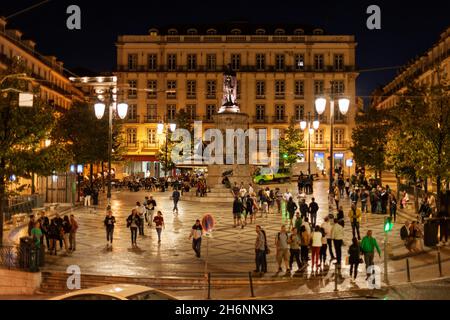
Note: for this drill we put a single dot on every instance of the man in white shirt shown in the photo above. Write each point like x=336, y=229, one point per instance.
x=287, y=195
x=326, y=225
x=337, y=234
x=250, y=189
x=141, y=213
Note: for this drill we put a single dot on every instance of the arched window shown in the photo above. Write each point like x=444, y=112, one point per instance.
x=279, y=32
x=153, y=32
x=236, y=31
x=173, y=32
x=192, y=32
x=299, y=32
x=211, y=32
x=260, y=32
x=318, y=31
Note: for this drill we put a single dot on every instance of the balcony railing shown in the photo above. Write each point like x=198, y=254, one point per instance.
x=147, y=145
x=211, y=96
x=151, y=119
x=279, y=95
x=279, y=119
x=261, y=119
x=135, y=119
x=132, y=145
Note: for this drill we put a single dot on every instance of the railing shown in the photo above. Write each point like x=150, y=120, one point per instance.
x=151, y=119
x=149, y=145
x=263, y=119
x=24, y=257
x=277, y=119
x=21, y=205
x=132, y=120
x=132, y=145
x=211, y=96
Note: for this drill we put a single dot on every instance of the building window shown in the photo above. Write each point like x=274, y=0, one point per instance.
x=318, y=62
x=339, y=136
x=151, y=136
x=171, y=112
x=132, y=112
x=211, y=86
x=192, y=62
x=337, y=87
x=173, y=32
x=299, y=111
x=279, y=89
x=260, y=32
x=279, y=61
x=299, y=62
x=299, y=89
x=191, y=89
x=318, y=136
x=171, y=89
x=338, y=62
x=299, y=32
x=211, y=61
x=132, y=89
x=192, y=32
x=172, y=62
x=152, y=62
x=260, y=112
x=260, y=89
x=235, y=61
x=152, y=112
x=210, y=111
x=152, y=88
x=236, y=32
x=279, y=32
x=132, y=61
x=190, y=110
x=131, y=136
x=279, y=112
x=318, y=87
x=211, y=32
x=260, y=61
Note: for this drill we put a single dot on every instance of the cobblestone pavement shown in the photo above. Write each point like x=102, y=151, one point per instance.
x=230, y=252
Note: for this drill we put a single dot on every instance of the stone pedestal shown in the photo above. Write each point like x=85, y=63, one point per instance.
x=241, y=172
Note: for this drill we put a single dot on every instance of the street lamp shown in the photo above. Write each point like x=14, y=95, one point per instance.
x=121, y=109
x=167, y=128
x=311, y=127
x=344, y=104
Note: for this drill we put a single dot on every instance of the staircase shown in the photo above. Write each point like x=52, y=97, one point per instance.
x=219, y=193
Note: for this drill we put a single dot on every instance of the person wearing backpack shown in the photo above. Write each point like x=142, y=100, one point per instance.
x=354, y=253
x=281, y=243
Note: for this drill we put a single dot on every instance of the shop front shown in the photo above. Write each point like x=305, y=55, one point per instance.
x=141, y=166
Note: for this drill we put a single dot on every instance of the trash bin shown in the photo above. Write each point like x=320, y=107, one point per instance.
x=24, y=252
x=430, y=230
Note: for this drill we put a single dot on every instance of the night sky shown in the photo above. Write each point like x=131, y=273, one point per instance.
x=408, y=29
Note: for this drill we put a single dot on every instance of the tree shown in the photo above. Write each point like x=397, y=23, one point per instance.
x=291, y=144
x=423, y=113
x=22, y=132
x=370, y=138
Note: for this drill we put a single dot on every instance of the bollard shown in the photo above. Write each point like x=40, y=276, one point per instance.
x=439, y=263
x=408, y=273
x=335, y=277
x=209, y=286
x=251, y=284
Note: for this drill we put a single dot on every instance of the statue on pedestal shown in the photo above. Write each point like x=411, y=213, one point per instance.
x=229, y=103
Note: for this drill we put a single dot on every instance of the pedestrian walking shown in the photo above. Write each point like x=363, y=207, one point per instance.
x=337, y=196
x=294, y=248
x=249, y=205
x=313, y=209
x=151, y=205
x=237, y=212
x=347, y=187
x=73, y=233
x=354, y=258
x=393, y=207
x=133, y=222
x=175, y=197
x=281, y=243
x=337, y=234
x=355, y=219
x=304, y=209
x=326, y=226
x=323, y=249
x=291, y=208
x=87, y=193
x=140, y=209
x=196, y=235
x=109, y=223
x=305, y=241
x=260, y=250
x=159, y=224
x=368, y=246
x=316, y=244
x=278, y=199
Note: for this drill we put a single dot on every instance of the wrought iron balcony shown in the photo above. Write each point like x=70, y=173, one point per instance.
x=261, y=119
x=151, y=119
x=135, y=119
x=279, y=119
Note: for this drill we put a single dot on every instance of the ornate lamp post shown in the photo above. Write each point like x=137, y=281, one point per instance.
x=321, y=103
x=114, y=108
x=311, y=127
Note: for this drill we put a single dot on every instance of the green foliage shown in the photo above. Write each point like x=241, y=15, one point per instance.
x=23, y=129
x=291, y=144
